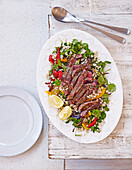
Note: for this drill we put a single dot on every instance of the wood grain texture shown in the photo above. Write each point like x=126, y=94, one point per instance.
x=111, y=7
x=116, y=145
x=98, y=164
x=119, y=143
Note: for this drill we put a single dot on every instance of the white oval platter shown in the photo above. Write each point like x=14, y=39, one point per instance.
x=116, y=99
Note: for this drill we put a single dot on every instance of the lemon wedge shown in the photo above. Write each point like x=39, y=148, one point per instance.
x=65, y=113
x=55, y=101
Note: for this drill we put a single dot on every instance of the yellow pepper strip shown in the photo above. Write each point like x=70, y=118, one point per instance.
x=99, y=95
x=88, y=114
x=48, y=92
x=102, y=93
x=55, y=91
x=84, y=126
x=62, y=92
x=64, y=60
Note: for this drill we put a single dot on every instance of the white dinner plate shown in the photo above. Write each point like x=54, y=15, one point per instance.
x=20, y=121
x=116, y=99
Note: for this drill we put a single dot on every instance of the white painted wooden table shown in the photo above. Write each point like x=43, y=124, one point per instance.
x=119, y=143
x=23, y=31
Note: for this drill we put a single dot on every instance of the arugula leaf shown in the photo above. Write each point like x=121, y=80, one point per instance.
x=62, y=94
x=74, y=41
x=106, y=108
x=95, y=128
x=78, y=135
x=102, y=65
x=103, y=115
x=106, y=81
x=55, y=66
x=56, y=82
x=65, y=44
x=111, y=87
x=106, y=100
x=101, y=80
x=59, y=63
x=105, y=96
x=108, y=62
x=85, y=55
x=64, y=68
x=96, y=113
x=77, y=62
x=85, y=46
x=67, y=121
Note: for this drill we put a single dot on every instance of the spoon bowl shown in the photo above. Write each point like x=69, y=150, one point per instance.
x=62, y=15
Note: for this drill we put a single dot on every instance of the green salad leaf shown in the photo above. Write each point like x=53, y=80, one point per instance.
x=101, y=80
x=56, y=82
x=111, y=87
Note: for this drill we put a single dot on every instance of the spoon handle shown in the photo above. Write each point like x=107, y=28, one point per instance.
x=118, y=29
x=115, y=37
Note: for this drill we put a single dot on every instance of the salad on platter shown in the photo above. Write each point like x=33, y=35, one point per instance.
x=78, y=87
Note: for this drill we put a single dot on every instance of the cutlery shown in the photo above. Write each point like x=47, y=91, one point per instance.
x=63, y=15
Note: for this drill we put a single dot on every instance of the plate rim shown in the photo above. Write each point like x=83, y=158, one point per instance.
x=33, y=136
x=73, y=29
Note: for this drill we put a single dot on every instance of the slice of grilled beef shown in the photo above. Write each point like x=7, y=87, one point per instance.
x=71, y=62
x=65, y=74
x=94, y=106
x=69, y=65
x=78, y=85
x=78, y=56
x=69, y=76
x=73, y=81
x=81, y=92
x=83, y=98
x=76, y=66
x=86, y=105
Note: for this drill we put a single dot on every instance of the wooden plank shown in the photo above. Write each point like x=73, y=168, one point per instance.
x=117, y=145
x=76, y=7
x=98, y=164
x=64, y=148
x=111, y=7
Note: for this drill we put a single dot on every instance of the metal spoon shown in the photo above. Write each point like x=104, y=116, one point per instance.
x=63, y=15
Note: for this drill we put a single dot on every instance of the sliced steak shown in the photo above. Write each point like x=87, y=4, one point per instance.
x=69, y=76
x=90, y=74
x=73, y=81
x=86, y=105
x=83, y=113
x=88, y=67
x=65, y=74
x=78, y=56
x=79, y=84
x=83, y=98
x=94, y=106
x=76, y=66
x=71, y=62
x=88, y=79
x=81, y=92
x=77, y=70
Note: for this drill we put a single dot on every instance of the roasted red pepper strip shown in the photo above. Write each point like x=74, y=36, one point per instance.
x=55, y=73
x=60, y=74
x=58, y=55
x=51, y=59
x=93, y=123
